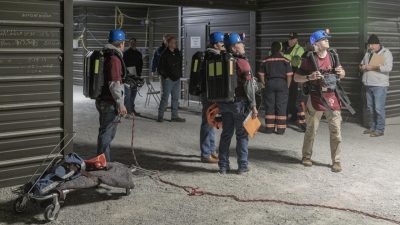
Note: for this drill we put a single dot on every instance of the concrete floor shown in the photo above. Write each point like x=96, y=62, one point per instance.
x=369, y=182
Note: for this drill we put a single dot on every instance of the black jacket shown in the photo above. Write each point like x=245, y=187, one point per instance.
x=133, y=57
x=170, y=64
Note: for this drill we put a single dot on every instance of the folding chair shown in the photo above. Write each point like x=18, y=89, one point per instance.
x=151, y=92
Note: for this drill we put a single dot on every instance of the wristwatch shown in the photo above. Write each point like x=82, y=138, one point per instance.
x=308, y=77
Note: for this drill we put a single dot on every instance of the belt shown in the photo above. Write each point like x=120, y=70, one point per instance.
x=271, y=78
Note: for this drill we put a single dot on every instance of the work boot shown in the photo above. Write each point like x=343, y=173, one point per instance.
x=160, y=119
x=178, y=119
x=209, y=159
x=368, y=131
x=306, y=162
x=214, y=155
x=242, y=171
x=303, y=128
x=376, y=134
x=223, y=171
x=336, y=167
x=280, y=132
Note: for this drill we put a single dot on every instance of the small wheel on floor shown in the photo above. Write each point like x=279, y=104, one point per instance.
x=20, y=204
x=50, y=214
x=128, y=191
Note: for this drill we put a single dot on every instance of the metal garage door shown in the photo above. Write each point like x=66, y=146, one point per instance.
x=31, y=85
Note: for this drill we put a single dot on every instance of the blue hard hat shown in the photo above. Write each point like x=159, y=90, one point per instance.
x=318, y=35
x=116, y=35
x=234, y=38
x=216, y=37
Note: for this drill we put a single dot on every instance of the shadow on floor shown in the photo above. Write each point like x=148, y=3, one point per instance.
x=278, y=156
x=78, y=197
x=151, y=159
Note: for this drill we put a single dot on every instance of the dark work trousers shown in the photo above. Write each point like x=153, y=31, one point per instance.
x=275, y=101
x=232, y=120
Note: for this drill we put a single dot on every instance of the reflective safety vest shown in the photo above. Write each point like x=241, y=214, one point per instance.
x=295, y=55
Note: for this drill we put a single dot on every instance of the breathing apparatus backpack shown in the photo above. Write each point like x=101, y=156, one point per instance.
x=93, y=77
x=221, y=78
x=196, y=76
x=330, y=81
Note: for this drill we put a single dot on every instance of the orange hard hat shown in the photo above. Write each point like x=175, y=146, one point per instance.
x=97, y=163
x=213, y=115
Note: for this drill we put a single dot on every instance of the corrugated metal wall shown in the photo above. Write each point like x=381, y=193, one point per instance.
x=383, y=19
x=96, y=22
x=225, y=21
x=276, y=19
x=31, y=85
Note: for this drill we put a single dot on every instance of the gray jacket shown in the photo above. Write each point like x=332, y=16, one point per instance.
x=116, y=88
x=375, y=78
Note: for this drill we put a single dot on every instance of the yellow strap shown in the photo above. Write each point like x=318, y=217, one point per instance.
x=195, y=65
x=96, y=66
x=219, y=69
x=211, y=70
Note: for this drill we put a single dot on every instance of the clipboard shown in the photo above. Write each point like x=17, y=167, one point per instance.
x=377, y=60
x=251, y=125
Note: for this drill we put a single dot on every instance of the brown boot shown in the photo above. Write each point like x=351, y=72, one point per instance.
x=214, y=155
x=376, y=134
x=306, y=162
x=368, y=131
x=209, y=159
x=336, y=167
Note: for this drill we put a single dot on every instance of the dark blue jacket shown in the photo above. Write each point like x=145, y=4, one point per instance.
x=156, y=57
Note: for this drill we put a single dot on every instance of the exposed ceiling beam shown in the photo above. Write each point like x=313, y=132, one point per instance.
x=220, y=4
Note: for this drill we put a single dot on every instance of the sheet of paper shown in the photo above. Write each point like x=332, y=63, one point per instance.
x=132, y=70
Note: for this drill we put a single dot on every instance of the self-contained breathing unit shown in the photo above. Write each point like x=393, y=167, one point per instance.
x=215, y=75
x=221, y=78
x=93, y=77
x=329, y=81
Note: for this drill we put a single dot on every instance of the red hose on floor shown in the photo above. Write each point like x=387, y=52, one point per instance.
x=195, y=191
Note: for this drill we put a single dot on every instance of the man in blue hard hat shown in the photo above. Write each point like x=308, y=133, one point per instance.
x=323, y=99
x=233, y=113
x=110, y=103
x=207, y=133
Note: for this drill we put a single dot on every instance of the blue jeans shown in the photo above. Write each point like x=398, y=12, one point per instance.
x=173, y=88
x=232, y=118
x=108, y=118
x=376, y=99
x=130, y=96
x=207, y=133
